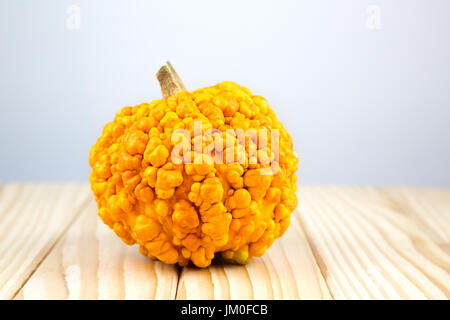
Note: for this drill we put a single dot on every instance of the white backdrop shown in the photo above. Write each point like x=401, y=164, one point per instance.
x=362, y=86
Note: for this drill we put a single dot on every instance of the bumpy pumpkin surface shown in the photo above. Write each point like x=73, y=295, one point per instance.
x=185, y=204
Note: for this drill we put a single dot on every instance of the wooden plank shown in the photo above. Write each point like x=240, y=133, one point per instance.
x=10, y=194
x=428, y=208
x=350, y=242
x=32, y=218
x=367, y=249
x=91, y=262
x=288, y=270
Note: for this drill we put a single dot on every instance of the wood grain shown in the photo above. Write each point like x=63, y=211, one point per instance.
x=343, y=243
x=32, y=218
x=91, y=262
x=428, y=208
x=367, y=250
x=288, y=270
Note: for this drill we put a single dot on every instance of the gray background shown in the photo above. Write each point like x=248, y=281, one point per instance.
x=364, y=106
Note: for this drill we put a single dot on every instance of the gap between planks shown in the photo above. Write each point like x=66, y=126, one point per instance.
x=33, y=217
x=371, y=247
x=90, y=262
x=354, y=243
x=287, y=270
x=75, y=218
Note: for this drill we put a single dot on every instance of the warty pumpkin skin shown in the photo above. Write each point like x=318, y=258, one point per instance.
x=178, y=211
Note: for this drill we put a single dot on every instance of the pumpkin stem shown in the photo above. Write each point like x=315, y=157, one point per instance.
x=169, y=80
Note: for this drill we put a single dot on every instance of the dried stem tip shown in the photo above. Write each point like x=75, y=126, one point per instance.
x=169, y=80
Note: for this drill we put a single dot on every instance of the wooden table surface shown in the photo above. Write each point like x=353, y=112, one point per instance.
x=343, y=243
